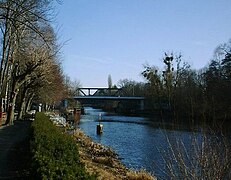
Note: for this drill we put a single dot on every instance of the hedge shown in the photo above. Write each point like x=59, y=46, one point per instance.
x=55, y=154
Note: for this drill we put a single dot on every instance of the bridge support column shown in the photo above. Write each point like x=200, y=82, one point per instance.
x=142, y=105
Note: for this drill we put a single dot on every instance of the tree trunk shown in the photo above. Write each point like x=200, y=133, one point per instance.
x=4, y=48
x=13, y=95
x=10, y=114
x=28, y=104
x=192, y=111
x=22, y=109
x=22, y=103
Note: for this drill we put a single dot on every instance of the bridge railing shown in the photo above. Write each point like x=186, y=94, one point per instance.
x=99, y=91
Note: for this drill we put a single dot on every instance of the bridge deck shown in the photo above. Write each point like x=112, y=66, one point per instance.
x=107, y=98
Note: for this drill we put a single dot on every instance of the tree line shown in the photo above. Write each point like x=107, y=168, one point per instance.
x=185, y=93
x=30, y=66
x=30, y=69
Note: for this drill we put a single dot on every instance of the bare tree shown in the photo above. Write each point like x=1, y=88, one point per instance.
x=27, y=41
x=109, y=81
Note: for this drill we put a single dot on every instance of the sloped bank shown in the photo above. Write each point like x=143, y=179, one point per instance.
x=55, y=155
x=104, y=161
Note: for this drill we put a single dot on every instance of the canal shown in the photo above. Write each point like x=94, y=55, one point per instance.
x=139, y=142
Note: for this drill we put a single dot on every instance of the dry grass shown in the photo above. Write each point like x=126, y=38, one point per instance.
x=208, y=157
x=103, y=161
x=139, y=175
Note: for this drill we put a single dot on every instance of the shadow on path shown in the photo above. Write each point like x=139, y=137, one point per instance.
x=15, y=150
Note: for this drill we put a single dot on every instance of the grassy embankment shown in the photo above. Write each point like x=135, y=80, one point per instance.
x=59, y=155
x=55, y=154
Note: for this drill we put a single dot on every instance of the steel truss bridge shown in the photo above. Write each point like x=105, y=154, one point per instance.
x=107, y=94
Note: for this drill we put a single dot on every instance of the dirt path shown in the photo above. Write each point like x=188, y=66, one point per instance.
x=14, y=150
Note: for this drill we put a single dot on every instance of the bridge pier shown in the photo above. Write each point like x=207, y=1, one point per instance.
x=141, y=105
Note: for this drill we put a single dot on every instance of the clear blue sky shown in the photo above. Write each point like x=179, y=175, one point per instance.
x=118, y=36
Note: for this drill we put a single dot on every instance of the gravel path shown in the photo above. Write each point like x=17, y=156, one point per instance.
x=14, y=150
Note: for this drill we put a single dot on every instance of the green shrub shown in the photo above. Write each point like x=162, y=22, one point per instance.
x=55, y=154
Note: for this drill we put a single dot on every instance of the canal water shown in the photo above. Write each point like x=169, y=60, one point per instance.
x=139, y=142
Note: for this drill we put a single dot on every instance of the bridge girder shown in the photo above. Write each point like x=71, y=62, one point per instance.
x=96, y=91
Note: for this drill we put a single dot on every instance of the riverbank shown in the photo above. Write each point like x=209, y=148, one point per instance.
x=15, y=156
x=104, y=161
